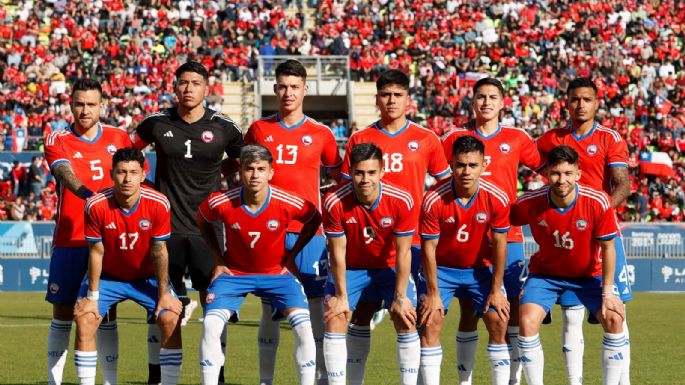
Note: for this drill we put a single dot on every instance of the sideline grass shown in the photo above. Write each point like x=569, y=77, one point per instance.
x=656, y=332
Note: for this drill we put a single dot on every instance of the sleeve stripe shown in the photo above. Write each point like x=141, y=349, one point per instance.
x=501, y=229
x=94, y=239
x=618, y=164
x=607, y=236
x=443, y=173
x=404, y=233
x=344, y=175
x=58, y=161
x=162, y=237
x=331, y=234
x=430, y=236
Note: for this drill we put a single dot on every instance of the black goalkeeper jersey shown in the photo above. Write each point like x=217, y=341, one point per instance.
x=189, y=159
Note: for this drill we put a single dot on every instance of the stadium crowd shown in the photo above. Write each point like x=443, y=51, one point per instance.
x=632, y=49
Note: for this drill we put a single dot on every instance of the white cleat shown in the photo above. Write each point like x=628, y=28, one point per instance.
x=378, y=318
x=188, y=312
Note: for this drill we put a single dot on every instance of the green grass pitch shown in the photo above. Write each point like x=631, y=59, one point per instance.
x=657, y=333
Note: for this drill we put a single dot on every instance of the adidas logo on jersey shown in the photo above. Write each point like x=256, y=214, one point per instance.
x=351, y=220
x=269, y=139
x=450, y=220
x=78, y=155
x=111, y=226
x=542, y=223
x=169, y=134
x=235, y=226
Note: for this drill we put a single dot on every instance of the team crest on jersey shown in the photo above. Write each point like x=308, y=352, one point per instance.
x=307, y=140
x=54, y=288
x=505, y=148
x=581, y=224
x=413, y=146
x=481, y=217
x=272, y=224
x=111, y=149
x=591, y=149
x=210, y=297
x=144, y=224
x=207, y=136
x=386, y=221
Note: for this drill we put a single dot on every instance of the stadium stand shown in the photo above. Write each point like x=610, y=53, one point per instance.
x=632, y=49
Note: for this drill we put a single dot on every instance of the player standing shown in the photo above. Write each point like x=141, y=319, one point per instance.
x=457, y=216
x=575, y=227
x=505, y=149
x=301, y=146
x=256, y=217
x=190, y=141
x=85, y=150
x=126, y=229
x=369, y=225
x=603, y=162
x=409, y=152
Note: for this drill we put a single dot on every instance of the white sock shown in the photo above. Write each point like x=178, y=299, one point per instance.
x=572, y=343
x=358, y=348
x=170, y=361
x=86, y=364
x=305, y=348
x=154, y=343
x=516, y=369
x=467, y=344
x=431, y=359
x=409, y=357
x=268, y=338
x=499, y=356
x=211, y=354
x=316, y=316
x=58, y=343
x=532, y=358
x=613, y=357
x=335, y=354
x=108, y=351
x=625, y=373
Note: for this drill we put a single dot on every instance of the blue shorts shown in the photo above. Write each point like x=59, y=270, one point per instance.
x=473, y=284
x=545, y=290
x=372, y=285
x=229, y=291
x=415, y=262
x=144, y=292
x=312, y=261
x=515, y=269
x=569, y=299
x=68, y=267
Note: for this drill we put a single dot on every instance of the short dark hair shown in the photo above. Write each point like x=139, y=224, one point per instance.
x=489, y=82
x=394, y=77
x=291, y=67
x=581, y=83
x=255, y=153
x=192, y=66
x=562, y=154
x=466, y=144
x=86, y=84
x=365, y=151
x=128, y=154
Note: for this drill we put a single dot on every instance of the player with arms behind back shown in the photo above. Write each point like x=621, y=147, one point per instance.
x=126, y=229
x=301, y=146
x=505, y=149
x=369, y=225
x=603, y=162
x=575, y=227
x=256, y=217
x=80, y=158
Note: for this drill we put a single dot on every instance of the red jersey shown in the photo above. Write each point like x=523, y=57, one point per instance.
x=299, y=151
x=568, y=238
x=370, y=232
x=255, y=241
x=598, y=151
x=504, y=151
x=463, y=229
x=407, y=156
x=91, y=162
x=127, y=236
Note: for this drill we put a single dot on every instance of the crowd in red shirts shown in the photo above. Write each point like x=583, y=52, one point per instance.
x=632, y=49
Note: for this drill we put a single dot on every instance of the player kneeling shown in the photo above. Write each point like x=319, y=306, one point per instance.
x=369, y=225
x=456, y=218
x=126, y=229
x=575, y=227
x=256, y=218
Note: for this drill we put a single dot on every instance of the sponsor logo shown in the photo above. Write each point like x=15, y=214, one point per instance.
x=307, y=140
x=272, y=224
x=78, y=155
x=413, y=146
x=144, y=224
x=235, y=226
x=481, y=217
x=591, y=149
x=351, y=220
x=581, y=224
x=111, y=149
x=269, y=139
x=450, y=220
x=386, y=221
x=505, y=148
x=111, y=226
x=169, y=134
x=542, y=223
x=207, y=136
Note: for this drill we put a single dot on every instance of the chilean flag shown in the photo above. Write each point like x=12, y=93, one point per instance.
x=656, y=163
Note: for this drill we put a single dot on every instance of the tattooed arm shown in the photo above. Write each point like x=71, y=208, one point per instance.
x=621, y=180
x=160, y=262
x=66, y=177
